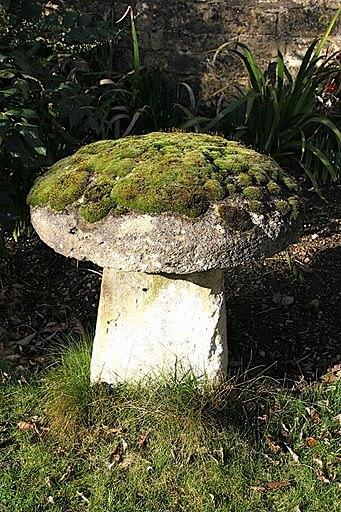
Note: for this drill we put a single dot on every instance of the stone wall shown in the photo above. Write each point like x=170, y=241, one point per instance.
x=180, y=36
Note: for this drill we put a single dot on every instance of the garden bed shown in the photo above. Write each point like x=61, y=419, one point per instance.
x=283, y=316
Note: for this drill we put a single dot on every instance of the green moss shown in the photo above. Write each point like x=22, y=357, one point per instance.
x=244, y=180
x=274, y=188
x=96, y=147
x=231, y=188
x=231, y=164
x=59, y=188
x=97, y=203
x=259, y=175
x=214, y=190
x=256, y=206
x=252, y=193
x=165, y=187
x=282, y=206
x=106, y=167
x=291, y=185
x=294, y=203
x=160, y=172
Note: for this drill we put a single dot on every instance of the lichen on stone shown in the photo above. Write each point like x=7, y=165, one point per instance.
x=175, y=172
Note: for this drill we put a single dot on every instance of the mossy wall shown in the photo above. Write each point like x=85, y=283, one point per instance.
x=180, y=36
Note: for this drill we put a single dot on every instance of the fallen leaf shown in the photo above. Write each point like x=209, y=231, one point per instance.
x=294, y=455
x=124, y=446
x=313, y=414
x=67, y=473
x=116, y=454
x=285, y=431
x=272, y=461
x=220, y=456
x=310, y=441
x=333, y=374
x=275, y=448
x=25, y=425
x=321, y=476
x=83, y=497
x=106, y=81
x=271, y=486
x=212, y=498
x=144, y=438
x=26, y=340
x=127, y=461
x=318, y=462
x=338, y=418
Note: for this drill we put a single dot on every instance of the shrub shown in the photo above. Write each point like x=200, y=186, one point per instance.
x=61, y=88
x=45, y=91
x=288, y=116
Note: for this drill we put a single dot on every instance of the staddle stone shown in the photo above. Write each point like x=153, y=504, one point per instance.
x=164, y=214
x=150, y=323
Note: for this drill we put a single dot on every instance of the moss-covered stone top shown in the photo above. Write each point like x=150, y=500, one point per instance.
x=164, y=172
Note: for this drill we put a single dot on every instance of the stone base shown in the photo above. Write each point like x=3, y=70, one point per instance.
x=150, y=324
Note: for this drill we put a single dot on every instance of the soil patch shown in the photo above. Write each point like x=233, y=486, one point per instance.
x=284, y=314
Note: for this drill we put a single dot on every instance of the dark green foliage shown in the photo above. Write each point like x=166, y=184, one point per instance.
x=61, y=87
x=45, y=91
x=288, y=116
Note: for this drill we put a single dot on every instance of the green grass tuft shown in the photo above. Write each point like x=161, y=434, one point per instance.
x=66, y=392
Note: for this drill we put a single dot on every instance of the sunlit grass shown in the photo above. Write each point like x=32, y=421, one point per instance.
x=165, y=445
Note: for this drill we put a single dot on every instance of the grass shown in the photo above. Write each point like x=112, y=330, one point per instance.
x=246, y=445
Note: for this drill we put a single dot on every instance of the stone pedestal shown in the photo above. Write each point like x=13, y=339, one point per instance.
x=150, y=324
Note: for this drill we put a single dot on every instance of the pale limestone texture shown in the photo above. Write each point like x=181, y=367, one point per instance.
x=162, y=302
x=156, y=324
x=167, y=242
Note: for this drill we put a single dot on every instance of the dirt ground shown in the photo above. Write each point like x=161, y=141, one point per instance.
x=284, y=314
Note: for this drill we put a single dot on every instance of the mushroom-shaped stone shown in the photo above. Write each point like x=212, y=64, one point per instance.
x=164, y=214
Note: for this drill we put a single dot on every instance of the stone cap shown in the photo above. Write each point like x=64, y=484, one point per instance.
x=164, y=243
x=183, y=203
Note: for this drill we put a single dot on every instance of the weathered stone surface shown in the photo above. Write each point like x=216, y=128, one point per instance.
x=187, y=203
x=165, y=242
x=151, y=324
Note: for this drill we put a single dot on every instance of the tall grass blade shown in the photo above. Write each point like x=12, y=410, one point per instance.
x=136, y=51
x=323, y=158
x=327, y=33
x=233, y=106
x=255, y=73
